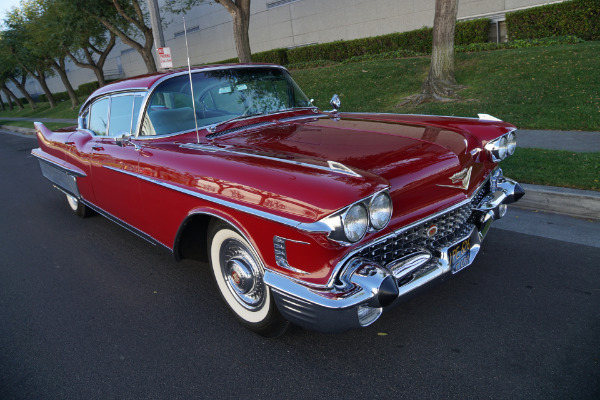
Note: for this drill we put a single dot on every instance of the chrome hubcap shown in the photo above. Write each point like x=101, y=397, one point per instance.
x=242, y=274
x=73, y=202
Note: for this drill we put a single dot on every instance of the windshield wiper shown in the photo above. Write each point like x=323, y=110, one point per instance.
x=213, y=128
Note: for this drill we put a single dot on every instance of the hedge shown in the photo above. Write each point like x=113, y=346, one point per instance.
x=417, y=41
x=275, y=56
x=579, y=18
x=85, y=89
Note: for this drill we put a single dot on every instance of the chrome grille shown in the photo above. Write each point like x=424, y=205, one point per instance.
x=451, y=226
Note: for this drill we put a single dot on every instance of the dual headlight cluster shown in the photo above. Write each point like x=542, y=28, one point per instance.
x=504, y=146
x=350, y=224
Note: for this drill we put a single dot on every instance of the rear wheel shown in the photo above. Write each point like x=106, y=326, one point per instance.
x=239, y=273
x=78, y=207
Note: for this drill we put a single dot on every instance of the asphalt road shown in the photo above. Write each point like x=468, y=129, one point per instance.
x=90, y=311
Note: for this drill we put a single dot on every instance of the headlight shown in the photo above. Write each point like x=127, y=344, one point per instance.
x=512, y=143
x=500, y=148
x=355, y=222
x=380, y=210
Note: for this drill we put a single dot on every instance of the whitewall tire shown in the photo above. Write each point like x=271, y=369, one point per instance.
x=78, y=207
x=238, y=272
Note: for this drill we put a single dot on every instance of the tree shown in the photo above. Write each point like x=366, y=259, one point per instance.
x=440, y=84
x=127, y=20
x=44, y=27
x=10, y=95
x=240, y=14
x=30, y=61
x=11, y=72
x=88, y=49
x=82, y=37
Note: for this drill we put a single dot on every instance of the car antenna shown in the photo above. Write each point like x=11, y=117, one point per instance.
x=187, y=49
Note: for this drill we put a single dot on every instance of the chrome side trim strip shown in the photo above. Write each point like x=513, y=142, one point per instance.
x=329, y=168
x=226, y=203
x=58, y=166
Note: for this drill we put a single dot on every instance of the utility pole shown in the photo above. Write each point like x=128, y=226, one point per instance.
x=159, y=39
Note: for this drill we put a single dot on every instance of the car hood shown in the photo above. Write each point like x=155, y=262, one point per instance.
x=412, y=159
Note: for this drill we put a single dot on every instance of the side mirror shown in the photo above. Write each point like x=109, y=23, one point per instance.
x=123, y=140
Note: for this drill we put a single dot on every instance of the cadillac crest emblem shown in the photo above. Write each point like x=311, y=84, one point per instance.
x=460, y=179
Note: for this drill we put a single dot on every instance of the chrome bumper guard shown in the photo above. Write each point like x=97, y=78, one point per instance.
x=366, y=288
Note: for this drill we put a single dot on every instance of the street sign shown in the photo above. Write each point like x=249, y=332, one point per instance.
x=164, y=55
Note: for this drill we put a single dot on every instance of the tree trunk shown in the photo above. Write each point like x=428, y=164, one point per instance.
x=240, y=13
x=10, y=94
x=42, y=81
x=21, y=87
x=91, y=64
x=241, y=24
x=2, y=103
x=8, y=100
x=61, y=69
x=138, y=21
x=440, y=84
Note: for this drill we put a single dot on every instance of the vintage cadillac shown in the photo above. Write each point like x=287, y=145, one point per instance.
x=319, y=218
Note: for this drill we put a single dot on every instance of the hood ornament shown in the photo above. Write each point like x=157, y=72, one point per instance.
x=335, y=103
x=460, y=179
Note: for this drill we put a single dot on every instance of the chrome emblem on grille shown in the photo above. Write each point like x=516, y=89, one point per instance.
x=462, y=178
x=431, y=231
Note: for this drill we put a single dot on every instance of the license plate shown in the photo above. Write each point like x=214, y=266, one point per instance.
x=460, y=255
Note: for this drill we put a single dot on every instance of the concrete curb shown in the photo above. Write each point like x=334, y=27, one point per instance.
x=573, y=202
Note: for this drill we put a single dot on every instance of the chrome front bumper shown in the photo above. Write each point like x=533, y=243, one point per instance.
x=365, y=288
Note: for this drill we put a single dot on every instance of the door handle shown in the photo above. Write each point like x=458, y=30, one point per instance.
x=98, y=148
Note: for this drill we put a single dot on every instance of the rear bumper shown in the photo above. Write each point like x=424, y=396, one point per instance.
x=366, y=288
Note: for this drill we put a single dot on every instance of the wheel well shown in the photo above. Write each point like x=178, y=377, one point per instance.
x=192, y=238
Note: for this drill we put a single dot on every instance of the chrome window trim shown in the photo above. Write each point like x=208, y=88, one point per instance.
x=152, y=88
x=91, y=100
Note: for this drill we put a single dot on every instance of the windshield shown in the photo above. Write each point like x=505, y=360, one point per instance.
x=220, y=95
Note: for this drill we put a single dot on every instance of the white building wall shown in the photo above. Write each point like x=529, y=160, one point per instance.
x=296, y=23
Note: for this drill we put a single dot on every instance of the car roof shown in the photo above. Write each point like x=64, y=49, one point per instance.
x=145, y=82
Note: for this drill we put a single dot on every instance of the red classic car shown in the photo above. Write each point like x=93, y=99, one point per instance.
x=321, y=218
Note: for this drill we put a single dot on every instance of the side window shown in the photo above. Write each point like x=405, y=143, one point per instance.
x=99, y=117
x=121, y=111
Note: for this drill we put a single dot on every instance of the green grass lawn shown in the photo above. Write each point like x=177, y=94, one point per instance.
x=554, y=87
x=29, y=124
x=62, y=110
x=554, y=168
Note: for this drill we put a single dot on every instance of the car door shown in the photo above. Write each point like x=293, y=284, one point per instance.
x=114, y=160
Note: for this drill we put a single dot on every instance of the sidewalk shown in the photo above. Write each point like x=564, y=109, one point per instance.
x=573, y=202
x=575, y=141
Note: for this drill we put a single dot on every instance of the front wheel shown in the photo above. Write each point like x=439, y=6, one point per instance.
x=239, y=273
x=78, y=207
